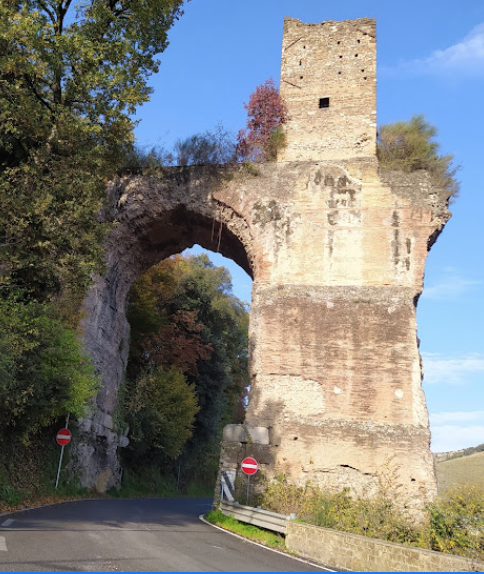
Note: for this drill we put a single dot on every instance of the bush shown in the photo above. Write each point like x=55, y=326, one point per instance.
x=456, y=522
x=160, y=409
x=453, y=523
x=43, y=371
x=409, y=146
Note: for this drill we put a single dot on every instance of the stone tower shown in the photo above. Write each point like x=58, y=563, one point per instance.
x=328, y=80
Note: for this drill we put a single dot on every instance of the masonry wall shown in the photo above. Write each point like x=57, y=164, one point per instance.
x=337, y=250
x=354, y=553
x=328, y=81
x=335, y=367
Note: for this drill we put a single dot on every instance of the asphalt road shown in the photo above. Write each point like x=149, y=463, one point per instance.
x=137, y=535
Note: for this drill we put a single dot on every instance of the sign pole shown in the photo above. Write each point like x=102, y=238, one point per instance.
x=249, y=467
x=61, y=454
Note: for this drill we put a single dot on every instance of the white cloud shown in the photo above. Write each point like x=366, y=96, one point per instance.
x=458, y=416
x=451, y=287
x=452, y=437
x=465, y=57
x=451, y=370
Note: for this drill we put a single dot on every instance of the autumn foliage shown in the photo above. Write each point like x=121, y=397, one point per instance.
x=266, y=114
x=188, y=365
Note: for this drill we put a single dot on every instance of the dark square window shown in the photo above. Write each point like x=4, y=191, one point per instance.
x=324, y=102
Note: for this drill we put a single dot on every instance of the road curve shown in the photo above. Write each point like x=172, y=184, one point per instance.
x=135, y=535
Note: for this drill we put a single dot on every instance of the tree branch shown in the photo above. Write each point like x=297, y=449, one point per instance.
x=48, y=10
x=37, y=95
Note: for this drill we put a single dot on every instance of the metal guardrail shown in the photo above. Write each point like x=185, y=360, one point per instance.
x=256, y=516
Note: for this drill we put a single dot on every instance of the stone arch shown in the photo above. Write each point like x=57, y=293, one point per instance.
x=337, y=249
x=156, y=217
x=337, y=252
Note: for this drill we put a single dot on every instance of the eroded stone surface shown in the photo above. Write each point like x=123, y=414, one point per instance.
x=337, y=251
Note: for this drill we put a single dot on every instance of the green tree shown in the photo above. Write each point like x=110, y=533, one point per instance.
x=71, y=78
x=44, y=373
x=186, y=304
x=161, y=409
x=410, y=145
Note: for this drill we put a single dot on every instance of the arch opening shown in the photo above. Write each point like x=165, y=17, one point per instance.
x=152, y=227
x=189, y=346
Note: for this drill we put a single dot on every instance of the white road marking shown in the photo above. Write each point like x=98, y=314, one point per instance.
x=3, y=544
x=8, y=522
x=202, y=519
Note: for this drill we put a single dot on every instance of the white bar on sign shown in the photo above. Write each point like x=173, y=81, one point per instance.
x=249, y=466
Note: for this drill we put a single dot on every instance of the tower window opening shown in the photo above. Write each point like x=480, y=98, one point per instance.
x=323, y=103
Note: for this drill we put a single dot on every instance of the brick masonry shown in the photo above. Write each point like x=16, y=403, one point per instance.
x=354, y=553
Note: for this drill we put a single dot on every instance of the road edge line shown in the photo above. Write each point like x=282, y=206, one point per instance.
x=202, y=519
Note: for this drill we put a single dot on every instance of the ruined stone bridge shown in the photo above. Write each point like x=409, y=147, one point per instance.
x=336, y=248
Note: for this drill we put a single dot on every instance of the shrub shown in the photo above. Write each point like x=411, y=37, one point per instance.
x=44, y=372
x=161, y=408
x=454, y=523
x=409, y=146
x=264, y=135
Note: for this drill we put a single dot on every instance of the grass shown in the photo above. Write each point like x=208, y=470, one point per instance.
x=264, y=537
x=464, y=471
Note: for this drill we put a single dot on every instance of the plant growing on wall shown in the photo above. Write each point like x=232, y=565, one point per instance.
x=410, y=145
x=264, y=135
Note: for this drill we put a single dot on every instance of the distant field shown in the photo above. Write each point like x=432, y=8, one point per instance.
x=467, y=470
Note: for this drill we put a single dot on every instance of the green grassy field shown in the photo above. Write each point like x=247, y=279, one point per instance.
x=467, y=470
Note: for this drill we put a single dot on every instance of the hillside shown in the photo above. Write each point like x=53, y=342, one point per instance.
x=465, y=470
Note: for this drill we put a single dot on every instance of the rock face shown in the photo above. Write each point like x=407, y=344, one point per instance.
x=337, y=250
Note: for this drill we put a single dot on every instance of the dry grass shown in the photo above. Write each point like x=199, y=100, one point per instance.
x=464, y=471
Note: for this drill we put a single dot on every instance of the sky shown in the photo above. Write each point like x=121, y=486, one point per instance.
x=430, y=57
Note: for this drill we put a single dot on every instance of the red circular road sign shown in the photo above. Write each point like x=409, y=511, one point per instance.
x=63, y=437
x=249, y=466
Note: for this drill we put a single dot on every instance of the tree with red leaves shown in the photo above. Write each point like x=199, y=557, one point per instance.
x=264, y=136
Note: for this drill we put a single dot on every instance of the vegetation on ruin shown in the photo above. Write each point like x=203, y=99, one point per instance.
x=264, y=135
x=410, y=146
x=260, y=141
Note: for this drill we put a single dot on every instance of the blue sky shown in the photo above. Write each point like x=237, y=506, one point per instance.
x=430, y=61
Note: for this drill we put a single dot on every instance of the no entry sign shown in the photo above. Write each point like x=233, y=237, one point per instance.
x=249, y=466
x=63, y=437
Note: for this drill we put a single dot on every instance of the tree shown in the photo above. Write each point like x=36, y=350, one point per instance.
x=410, y=146
x=264, y=135
x=182, y=313
x=71, y=79
x=208, y=148
x=43, y=371
x=161, y=409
